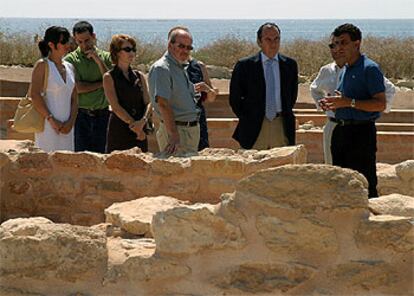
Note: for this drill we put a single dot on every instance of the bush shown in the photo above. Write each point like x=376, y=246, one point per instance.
x=394, y=55
x=225, y=52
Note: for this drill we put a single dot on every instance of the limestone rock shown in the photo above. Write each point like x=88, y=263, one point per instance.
x=4, y=159
x=190, y=229
x=405, y=170
x=305, y=188
x=34, y=163
x=361, y=277
x=392, y=233
x=393, y=204
x=260, y=278
x=397, y=178
x=171, y=166
x=135, y=216
x=276, y=157
x=39, y=249
x=127, y=161
x=134, y=260
x=297, y=237
x=87, y=161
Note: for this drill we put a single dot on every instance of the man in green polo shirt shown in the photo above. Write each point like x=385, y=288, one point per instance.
x=90, y=64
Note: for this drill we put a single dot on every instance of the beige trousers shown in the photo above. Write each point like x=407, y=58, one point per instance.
x=327, y=138
x=189, y=138
x=271, y=135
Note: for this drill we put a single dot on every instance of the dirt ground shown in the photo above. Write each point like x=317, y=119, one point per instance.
x=403, y=99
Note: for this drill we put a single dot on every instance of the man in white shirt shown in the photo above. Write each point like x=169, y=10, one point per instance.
x=326, y=83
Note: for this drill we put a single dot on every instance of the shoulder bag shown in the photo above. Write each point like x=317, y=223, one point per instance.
x=26, y=118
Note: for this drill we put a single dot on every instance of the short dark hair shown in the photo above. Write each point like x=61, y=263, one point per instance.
x=55, y=35
x=266, y=25
x=81, y=27
x=353, y=31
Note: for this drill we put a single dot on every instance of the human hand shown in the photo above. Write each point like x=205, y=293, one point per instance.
x=92, y=54
x=55, y=124
x=173, y=144
x=202, y=87
x=331, y=102
x=66, y=127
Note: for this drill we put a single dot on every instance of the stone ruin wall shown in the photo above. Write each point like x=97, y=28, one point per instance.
x=290, y=230
x=76, y=187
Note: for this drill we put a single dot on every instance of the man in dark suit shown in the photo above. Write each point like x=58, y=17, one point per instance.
x=263, y=91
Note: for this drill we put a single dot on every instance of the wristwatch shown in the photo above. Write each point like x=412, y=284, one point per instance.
x=352, y=103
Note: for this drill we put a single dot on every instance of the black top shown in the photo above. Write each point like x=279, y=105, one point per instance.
x=196, y=75
x=129, y=92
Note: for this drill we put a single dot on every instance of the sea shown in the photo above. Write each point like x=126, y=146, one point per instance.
x=206, y=31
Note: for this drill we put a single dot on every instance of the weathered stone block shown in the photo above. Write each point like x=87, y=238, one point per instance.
x=86, y=161
x=298, y=237
x=261, y=278
x=34, y=163
x=190, y=229
x=289, y=187
x=135, y=216
x=405, y=170
x=393, y=204
x=39, y=249
x=395, y=234
x=365, y=276
x=128, y=161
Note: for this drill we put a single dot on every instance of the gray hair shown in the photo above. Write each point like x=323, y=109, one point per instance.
x=175, y=31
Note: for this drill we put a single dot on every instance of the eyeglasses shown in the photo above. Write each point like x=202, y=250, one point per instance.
x=332, y=45
x=129, y=49
x=182, y=46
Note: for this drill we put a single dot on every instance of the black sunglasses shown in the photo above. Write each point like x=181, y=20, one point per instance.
x=129, y=49
x=188, y=47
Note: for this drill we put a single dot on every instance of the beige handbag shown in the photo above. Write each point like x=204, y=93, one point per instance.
x=26, y=118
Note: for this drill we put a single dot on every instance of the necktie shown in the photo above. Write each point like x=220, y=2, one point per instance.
x=270, y=90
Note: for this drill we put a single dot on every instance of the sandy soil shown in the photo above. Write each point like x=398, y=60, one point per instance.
x=403, y=99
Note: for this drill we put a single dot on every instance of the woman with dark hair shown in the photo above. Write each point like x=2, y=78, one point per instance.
x=58, y=105
x=127, y=93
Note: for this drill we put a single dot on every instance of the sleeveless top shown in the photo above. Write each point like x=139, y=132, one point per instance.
x=129, y=92
x=59, y=103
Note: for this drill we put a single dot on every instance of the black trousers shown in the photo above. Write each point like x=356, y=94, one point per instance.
x=355, y=147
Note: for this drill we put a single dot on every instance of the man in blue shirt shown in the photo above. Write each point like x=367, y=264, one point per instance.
x=357, y=104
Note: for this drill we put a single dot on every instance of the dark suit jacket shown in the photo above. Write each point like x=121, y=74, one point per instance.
x=248, y=97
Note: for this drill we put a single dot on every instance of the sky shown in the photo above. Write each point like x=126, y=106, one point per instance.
x=209, y=9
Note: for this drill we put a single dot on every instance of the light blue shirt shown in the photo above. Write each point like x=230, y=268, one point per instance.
x=169, y=79
x=276, y=71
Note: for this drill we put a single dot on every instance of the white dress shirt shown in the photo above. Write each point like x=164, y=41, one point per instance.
x=327, y=82
x=276, y=70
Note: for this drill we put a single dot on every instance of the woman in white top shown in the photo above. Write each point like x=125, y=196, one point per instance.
x=60, y=104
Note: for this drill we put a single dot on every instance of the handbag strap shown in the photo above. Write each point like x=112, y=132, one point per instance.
x=46, y=76
x=29, y=90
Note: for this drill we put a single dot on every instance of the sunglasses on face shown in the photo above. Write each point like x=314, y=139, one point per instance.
x=182, y=46
x=129, y=49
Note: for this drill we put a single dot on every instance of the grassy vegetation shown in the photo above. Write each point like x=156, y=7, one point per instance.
x=393, y=54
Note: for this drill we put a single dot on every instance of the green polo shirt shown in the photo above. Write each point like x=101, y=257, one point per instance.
x=88, y=71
